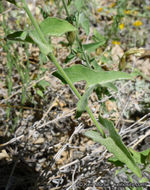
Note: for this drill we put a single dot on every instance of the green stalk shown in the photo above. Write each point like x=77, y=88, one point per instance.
x=84, y=54
x=66, y=9
x=77, y=37
x=95, y=121
x=34, y=22
x=52, y=57
x=60, y=69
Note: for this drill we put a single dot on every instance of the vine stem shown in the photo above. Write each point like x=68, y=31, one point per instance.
x=60, y=69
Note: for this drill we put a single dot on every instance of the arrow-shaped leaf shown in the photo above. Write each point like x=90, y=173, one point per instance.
x=118, y=151
x=84, y=22
x=116, y=138
x=79, y=72
x=49, y=27
x=55, y=26
x=31, y=37
x=93, y=46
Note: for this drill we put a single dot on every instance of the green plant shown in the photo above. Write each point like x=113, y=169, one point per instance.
x=9, y=59
x=142, y=158
x=98, y=79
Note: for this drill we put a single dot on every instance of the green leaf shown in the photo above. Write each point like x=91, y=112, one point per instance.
x=145, y=152
x=49, y=27
x=96, y=66
x=136, y=155
x=140, y=157
x=30, y=37
x=117, y=140
x=45, y=48
x=43, y=59
x=97, y=37
x=121, y=153
x=40, y=93
x=43, y=84
x=111, y=86
x=83, y=102
x=92, y=46
x=44, y=12
x=70, y=57
x=143, y=180
x=84, y=22
x=69, y=2
x=56, y=27
x=122, y=5
x=79, y=4
x=79, y=72
x=105, y=59
x=115, y=161
x=22, y=36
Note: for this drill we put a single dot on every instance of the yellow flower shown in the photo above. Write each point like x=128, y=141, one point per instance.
x=115, y=42
x=137, y=23
x=100, y=10
x=121, y=26
x=128, y=12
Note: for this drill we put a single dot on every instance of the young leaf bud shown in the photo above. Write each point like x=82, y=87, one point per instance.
x=71, y=37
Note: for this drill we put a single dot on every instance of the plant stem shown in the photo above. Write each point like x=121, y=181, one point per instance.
x=83, y=51
x=34, y=22
x=95, y=121
x=77, y=37
x=52, y=57
x=60, y=69
x=66, y=9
